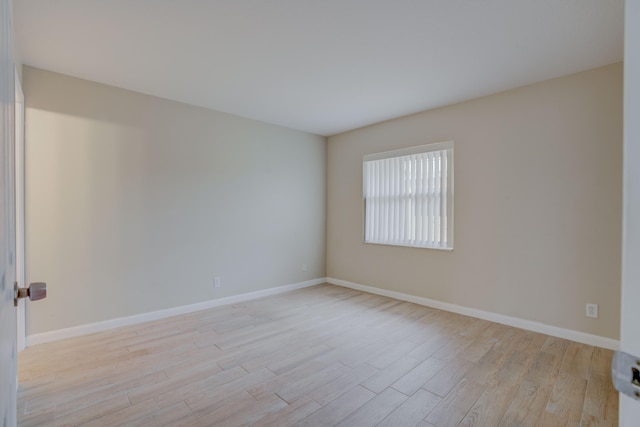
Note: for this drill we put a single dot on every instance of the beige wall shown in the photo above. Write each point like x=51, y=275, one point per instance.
x=135, y=203
x=538, y=180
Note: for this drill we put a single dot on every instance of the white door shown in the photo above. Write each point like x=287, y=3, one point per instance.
x=8, y=358
x=19, y=186
x=630, y=324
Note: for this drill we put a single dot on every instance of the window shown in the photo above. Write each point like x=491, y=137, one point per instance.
x=408, y=197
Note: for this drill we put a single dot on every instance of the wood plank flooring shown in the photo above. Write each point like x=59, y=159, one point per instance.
x=320, y=356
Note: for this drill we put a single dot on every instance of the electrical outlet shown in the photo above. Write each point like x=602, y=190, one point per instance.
x=592, y=310
x=217, y=282
x=305, y=267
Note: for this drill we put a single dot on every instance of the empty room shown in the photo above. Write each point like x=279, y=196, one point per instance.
x=354, y=213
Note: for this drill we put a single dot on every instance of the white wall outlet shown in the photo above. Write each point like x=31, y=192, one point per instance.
x=305, y=267
x=592, y=310
x=217, y=282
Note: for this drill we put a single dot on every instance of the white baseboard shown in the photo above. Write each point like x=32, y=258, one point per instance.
x=162, y=314
x=529, y=325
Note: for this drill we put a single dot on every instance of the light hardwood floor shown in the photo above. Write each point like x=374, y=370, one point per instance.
x=320, y=356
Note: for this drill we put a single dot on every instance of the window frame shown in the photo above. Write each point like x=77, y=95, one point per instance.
x=448, y=244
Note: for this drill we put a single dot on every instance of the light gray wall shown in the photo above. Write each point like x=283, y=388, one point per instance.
x=135, y=203
x=538, y=181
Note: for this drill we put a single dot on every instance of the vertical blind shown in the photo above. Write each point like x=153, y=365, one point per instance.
x=409, y=197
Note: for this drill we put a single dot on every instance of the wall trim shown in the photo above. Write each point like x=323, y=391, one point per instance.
x=90, y=328
x=517, y=322
x=529, y=325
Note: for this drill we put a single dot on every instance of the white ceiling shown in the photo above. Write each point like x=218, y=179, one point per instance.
x=322, y=66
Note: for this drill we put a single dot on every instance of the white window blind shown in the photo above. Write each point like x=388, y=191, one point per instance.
x=408, y=196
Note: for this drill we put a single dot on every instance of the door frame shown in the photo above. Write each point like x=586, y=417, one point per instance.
x=8, y=328
x=19, y=192
x=630, y=315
